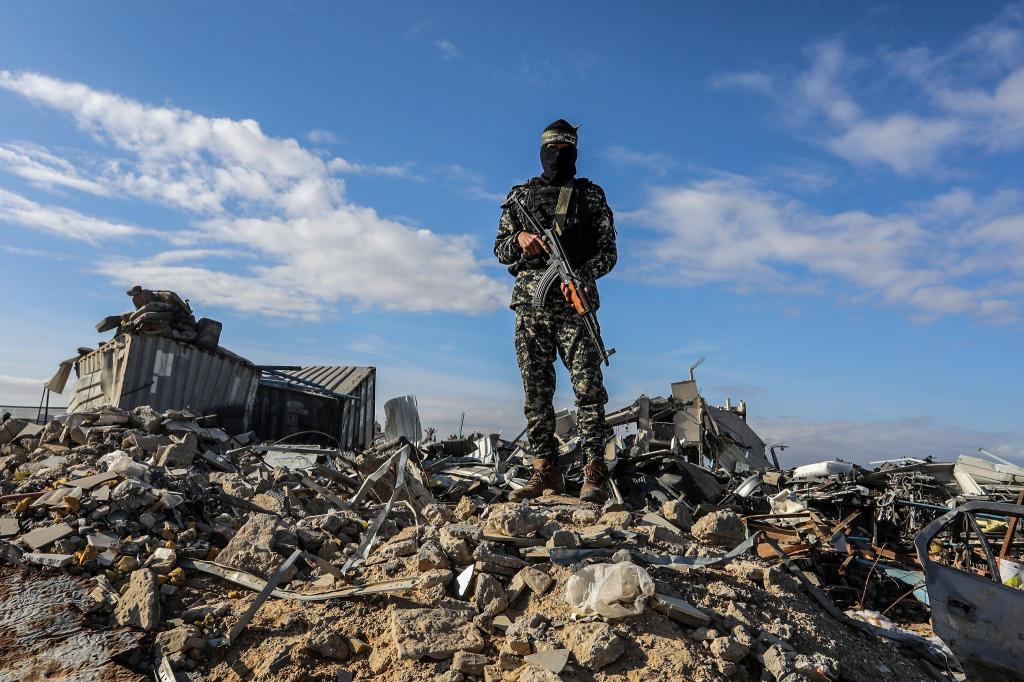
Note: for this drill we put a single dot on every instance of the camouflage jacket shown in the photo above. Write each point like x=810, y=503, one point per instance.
x=589, y=237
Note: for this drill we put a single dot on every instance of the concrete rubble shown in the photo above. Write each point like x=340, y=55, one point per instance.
x=172, y=532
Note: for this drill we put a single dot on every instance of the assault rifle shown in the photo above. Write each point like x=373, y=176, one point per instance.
x=561, y=269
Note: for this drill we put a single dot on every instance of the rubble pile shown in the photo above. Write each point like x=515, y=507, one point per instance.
x=175, y=529
x=141, y=544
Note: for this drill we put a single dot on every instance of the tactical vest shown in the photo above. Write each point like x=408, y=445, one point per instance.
x=579, y=238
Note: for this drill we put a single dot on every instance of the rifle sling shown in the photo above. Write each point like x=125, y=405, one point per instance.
x=562, y=208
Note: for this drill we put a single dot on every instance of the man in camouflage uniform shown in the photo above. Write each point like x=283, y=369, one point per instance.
x=588, y=238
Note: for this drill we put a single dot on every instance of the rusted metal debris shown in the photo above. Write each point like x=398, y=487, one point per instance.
x=44, y=636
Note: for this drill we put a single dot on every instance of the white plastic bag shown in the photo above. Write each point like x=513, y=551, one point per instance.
x=122, y=464
x=1011, y=573
x=609, y=590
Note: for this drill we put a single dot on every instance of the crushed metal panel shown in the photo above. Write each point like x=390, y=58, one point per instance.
x=738, y=431
x=43, y=634
x=402, y=418
x=978, y=617
x=133, y=370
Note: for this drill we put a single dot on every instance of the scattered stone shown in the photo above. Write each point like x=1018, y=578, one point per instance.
x=469, y=663
x=435, y=633
x=616, y=519
x=437, y=514
x=251, y=547
x=680, y=610
x=489, y=596
x=465, y=509
x=595, y=645
x=50, y=560
x=553, y=661
x=729, y=649
x=437, y=577
x=723, y=528
x=514, y=519
x=327, y=644
x=778, y=581
x=179, y=453
x=431, y=556
x=139, y=606
x=676, y=513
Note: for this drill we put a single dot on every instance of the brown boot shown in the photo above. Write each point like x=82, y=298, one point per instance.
x=546, y=476
x=595, y=482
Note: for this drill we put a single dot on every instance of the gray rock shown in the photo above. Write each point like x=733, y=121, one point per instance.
x=251, y=548
x=489, y=596
x=139, y=606
x=469, y=663
x=729, y=649
x=431, y=556
x=595, y=645
x=515, y=519
x=179, y=453
x=328, y=645
x=723, y=528
x=434, y=633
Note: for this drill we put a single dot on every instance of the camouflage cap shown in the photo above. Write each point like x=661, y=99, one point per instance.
x=559, y=132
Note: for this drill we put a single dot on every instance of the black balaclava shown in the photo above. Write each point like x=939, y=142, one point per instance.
x=559, y=164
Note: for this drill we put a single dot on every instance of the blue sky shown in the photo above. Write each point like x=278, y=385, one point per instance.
x=823, y=201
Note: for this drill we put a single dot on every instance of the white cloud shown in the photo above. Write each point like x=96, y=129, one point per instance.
x=903, y=142
x=246, y=191
x=449, y=51
x=730, y=230
x=42, y=168
x=343, y=166
x=65, y=222
x=865, y=441
x=20, y=390
x=755, y=81
x=319, y=136
x=657, y=164
x=924, y=104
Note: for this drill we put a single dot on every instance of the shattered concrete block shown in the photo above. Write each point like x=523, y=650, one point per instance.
x=469, y=663
x=327, y=644
x=489, y=596
x=139, y=606
x=778, y=581
x=50, y=560
x=179, y=453
x=434, y=578
x=397, y=548
x=616, y=519
x=146, y=418
x=532, y=674
x=431, y=556
x=595, y=645
x=552, y=661
x=729, y=649
x=514, y=519
x=434, y=633
x=564, y=538
x=465, y=509
x=723, y=528
x=585, y=517
x=449, y=676
x=437, y=514
x=41, y=537
x=494, y=554
x=746, y=570
x=676, y=513
x=530, y=577
x=251, y=547
x=162, y=560
x=662, y=534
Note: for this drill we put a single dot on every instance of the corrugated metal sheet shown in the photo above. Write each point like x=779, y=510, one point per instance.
x=133, y=370
x=282, y=410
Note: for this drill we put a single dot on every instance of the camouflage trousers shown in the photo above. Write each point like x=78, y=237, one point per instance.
x=540, y=334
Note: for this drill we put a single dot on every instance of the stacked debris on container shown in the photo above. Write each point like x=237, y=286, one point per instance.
x=163, y=313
